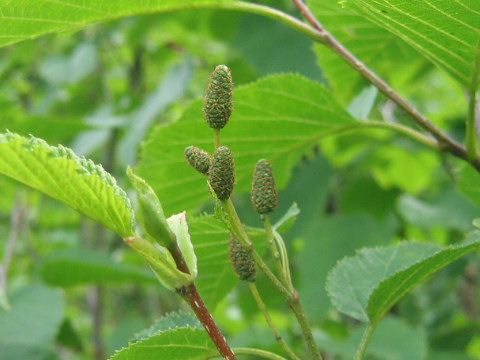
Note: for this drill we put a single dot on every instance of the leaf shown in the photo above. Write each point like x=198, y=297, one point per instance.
x=175, y=344
x=286, y=222
x=178, y=224
x=362, y=104
x=278, y=117
x=28, y=329
x=445, y=32
x=26, y=19
x=78, y=267
x=376, y=47
x=170, y=321
x=77, y=182
x=367, y=285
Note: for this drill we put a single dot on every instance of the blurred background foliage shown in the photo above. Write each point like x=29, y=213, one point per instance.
x=76, y=292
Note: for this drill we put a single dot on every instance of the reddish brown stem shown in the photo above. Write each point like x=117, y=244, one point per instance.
x=193, y=298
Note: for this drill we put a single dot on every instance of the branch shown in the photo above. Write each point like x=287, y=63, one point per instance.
x=446, y=142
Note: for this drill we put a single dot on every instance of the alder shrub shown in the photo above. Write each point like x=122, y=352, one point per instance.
x=298, y=216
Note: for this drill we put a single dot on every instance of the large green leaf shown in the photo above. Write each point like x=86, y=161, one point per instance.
x=26, y=19
x=376, y=47
x=182, y=343
x=278, y=117
x=28, y=329
x=77, y=182
x=78, y=267
x=445, y=32
x=367, y=285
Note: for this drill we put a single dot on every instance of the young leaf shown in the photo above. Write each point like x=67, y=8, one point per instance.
x=445, y=32
x=178, y=225
x=367, y=285
x=287, y=220
x=279, y=118
x=183, y=343
x=77, y=182
x=78, y=267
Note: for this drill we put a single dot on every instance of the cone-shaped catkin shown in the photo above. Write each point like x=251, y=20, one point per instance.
x=242, y=262
x=218, y=99
x=198, y=158
x=221, y=175
x=264, y=190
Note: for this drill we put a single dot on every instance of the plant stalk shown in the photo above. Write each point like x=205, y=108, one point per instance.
x=273, y=247
x=291, y=297
x=362, y=347
x=471, y=140
x=261, y=305
x=195, y=301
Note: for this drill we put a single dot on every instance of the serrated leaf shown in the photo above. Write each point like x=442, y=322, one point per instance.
x=25, y=19
x=445, y=32
x=215, y=274
x=367, y=285
x=170, y=321
x=376, y=47
x=183, y=343
x=77, y=182
x=78, y=267
x=278, y=118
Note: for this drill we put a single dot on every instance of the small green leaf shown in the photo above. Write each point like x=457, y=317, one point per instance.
x=287, y=220
x=153, y=217
x=178, y=225
x=183, y=343
x=77, y=182
x=78, y=267
x=367, y=285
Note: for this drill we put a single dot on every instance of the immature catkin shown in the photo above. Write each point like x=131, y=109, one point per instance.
x=264, y=190
x=198, y=158
x=242, y=262
x=221, y=175
x=218, y=99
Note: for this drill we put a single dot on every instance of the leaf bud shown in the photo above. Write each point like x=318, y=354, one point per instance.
x=218, y=99
x=221, y=175
x=264, y=189
x=198, y=158
x=242, y=262
x=153, y=218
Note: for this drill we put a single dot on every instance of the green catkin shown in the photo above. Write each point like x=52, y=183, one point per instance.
x=198, y=158
x=218, y=99
x=242, y=262
x=221, y=175
x=264, y=190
